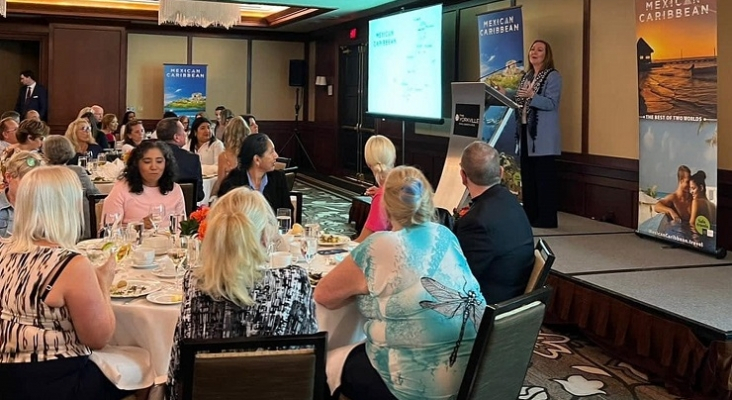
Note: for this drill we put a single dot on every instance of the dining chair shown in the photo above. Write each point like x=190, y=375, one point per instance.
x=190, y=189
x=290, y=175
x=543, y=261
x=94, y=202
x=503, y=347
x=255, y=368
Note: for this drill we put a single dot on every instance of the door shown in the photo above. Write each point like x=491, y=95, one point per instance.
x=355, y=126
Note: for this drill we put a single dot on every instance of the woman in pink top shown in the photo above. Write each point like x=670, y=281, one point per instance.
x=147, y=181
x=380, y=156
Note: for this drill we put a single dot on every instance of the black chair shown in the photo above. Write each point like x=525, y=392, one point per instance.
x=284, y=162
x=503, y=347
x=543, y=261
x=94, y=222
x=290, y=175
x=257, y=368
x=444, y=217
x=296, y=198
x=190, y=189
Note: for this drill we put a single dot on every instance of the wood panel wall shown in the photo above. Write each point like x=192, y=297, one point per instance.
x=87, y=66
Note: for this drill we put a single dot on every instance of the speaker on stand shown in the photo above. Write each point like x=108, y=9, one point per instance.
x=298, y=78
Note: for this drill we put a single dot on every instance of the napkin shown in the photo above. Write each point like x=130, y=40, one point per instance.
x=127, y=367
x=110, y=171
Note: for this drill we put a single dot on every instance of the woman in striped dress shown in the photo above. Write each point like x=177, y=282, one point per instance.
x=54, y=305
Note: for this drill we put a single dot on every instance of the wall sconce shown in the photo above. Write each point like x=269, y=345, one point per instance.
x=323, y=81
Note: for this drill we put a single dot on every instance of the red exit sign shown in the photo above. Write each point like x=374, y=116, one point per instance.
x=353, y=34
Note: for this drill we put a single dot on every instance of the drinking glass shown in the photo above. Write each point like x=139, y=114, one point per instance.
x=97, y=257
x=175, y=220
x=134, y=232
x=284, y=220
x=111, y=220
x=178, y=255
x=102, y=159
x=308, y=248
x=194, y=252
x=83, y=160
x=156, y=216
x=312, y=229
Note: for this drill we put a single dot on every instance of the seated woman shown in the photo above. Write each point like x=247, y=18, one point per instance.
x=233, y=294
x=700, y=204
x=99, y=137
x=256, y=170
x=30, y=137
x=186, y=123
x=147, y=182
x=19, y=164
x=127, y=117
x=413, y=349
x=109, y=128
x=79, y=134
x=234, y=134
x=60, y=309
x=202, y=142
x=58, y=151
x=135, y=136
x=380, y=156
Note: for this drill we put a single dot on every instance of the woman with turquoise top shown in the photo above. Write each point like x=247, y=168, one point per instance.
x=421, y=302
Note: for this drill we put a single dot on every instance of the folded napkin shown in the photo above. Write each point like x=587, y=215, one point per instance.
x=127, y=367
x=110, y=171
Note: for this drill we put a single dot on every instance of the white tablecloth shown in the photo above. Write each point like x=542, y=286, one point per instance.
x=106, y=187
x=151, y=326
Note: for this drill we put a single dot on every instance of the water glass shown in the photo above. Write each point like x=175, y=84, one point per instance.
x=175, y=220
x=102, y=159
x=194, y=252
x=312, y=229
x=83, y=162
x=308, y=248
x=284, y=220
x=156, y=216
x=134, y=233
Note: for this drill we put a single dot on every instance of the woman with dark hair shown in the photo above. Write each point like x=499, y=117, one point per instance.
x=186, y=121
x=203, y=143
x=96, y=133
x=147, y=181
x=129, y=116
x=256, y=170
x=701, y=206
x=135, y=136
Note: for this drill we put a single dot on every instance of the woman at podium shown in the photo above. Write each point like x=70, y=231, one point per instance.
x=539, y=136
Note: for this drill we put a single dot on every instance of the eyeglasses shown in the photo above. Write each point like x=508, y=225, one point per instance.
x=85, y=128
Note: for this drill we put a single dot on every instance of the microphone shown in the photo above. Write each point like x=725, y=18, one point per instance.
x=500, y=69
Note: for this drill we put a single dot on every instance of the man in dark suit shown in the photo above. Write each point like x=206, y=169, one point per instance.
x=171, y=131
x=32, y=96
x=495, y=233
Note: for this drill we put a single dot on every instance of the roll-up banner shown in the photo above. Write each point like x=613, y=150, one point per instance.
x=185, y=89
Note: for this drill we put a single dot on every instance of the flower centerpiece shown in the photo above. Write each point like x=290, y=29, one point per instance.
x=196, y=224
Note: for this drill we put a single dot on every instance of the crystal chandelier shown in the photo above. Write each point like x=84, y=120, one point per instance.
x=198, y=13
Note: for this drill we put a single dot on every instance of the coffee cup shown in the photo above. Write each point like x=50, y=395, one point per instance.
x=281, y=259
x=143, y=256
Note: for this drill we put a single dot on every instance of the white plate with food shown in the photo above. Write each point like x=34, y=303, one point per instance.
x=133, y=288
x=165, y=298
x=333, y=240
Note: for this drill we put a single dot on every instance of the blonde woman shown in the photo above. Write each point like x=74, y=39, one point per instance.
x=234, y=134
x=60, y=308
x=380, y=156
x=413, y=350
x=14, y=169
x=233, y=294
x=80, y=135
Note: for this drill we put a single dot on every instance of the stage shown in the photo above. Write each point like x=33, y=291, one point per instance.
x=663, y=308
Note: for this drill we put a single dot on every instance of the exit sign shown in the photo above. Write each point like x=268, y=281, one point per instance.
x=353, y=34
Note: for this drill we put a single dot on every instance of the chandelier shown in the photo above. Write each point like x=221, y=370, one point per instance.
x=3, y=7
x=197, y=13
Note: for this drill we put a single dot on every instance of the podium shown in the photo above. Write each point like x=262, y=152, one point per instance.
x=480, y=112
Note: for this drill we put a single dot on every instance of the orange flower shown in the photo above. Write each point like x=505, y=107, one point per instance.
x=202, y=229
x=200, y=214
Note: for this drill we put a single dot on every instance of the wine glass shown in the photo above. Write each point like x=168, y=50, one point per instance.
x=308, y=248
x=97, y=257
x=102, y=159
x=178, y=255
x=156, y=216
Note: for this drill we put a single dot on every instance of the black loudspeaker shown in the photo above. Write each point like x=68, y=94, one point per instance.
x=298, y=73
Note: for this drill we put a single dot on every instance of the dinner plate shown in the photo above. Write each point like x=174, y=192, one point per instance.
x=337, y=240
x=144, y=266
x=88, y=244
x=161, y=272
x=134, y=288
x=165, y=298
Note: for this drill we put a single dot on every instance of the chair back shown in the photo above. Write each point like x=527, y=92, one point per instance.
x=290, y=175
x=503, y=347
x=543, y=261
x=296, y=199
x=190, y=189
x=445, y=218
x=257, y=368
x=283, y=162
x=95, y=202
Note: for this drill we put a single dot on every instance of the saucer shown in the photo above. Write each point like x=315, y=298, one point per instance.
x=161, y=272
x=143, y=266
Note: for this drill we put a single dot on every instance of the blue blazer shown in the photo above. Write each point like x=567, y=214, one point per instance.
x=546, y=104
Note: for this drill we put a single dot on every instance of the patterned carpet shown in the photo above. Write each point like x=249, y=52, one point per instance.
x=565, y=365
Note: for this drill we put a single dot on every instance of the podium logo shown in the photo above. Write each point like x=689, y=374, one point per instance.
x=467, y=120
x=462, y=119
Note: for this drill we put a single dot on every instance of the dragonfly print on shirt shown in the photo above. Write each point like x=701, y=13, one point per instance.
x=451, y=302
